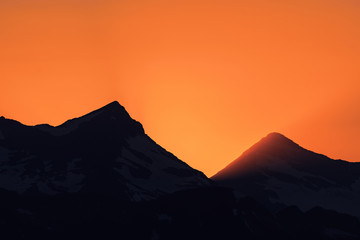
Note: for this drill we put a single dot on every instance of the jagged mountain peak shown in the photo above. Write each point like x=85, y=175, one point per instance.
x=113, y=108
x=113, y=104
x=111, y=111
x=104, y=152
x=111, y=118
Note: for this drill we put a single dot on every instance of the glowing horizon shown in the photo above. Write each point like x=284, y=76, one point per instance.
x=207, y=79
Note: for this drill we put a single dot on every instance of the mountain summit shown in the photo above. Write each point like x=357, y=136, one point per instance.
x=277, y=172
x=104, y=152
x=112, y=117
x=275, y=140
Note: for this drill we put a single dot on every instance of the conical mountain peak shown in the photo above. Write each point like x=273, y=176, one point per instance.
x=275, y=140
x=274, y=149
x=277, y=171
x=276, y=135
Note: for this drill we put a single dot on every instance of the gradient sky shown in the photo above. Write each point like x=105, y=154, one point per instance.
x=207, y=79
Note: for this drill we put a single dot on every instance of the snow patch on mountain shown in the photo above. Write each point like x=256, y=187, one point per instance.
x=149, y=148
x=305, y=191
x=71, y=180
x=12, y=175
x=155, y=163
x=356, y=186
x=305, y=198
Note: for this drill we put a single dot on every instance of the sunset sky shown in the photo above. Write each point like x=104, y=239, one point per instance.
x=206, y=78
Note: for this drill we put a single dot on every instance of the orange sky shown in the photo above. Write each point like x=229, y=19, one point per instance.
x=206, y=78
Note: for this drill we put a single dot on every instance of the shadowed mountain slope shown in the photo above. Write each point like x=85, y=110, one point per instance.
x=105, y=152
x=278, y=172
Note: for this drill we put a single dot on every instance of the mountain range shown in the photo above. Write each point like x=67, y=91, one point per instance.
x=101, y=175
x=105, y=152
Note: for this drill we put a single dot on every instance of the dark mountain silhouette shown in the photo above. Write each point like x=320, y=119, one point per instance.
x=105, y=151
x=101, y=177
x=278, y=172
